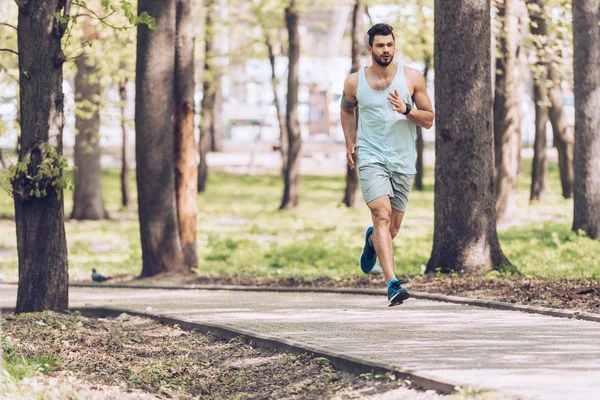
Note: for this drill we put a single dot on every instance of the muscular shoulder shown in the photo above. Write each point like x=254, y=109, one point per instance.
x=351, y=85
x=413, y=76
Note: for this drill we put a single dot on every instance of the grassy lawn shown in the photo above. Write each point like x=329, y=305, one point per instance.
x=240, y=231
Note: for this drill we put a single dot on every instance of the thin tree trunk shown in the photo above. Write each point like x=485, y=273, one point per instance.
x=562, y=133
x=125, y=198
x=465, y=237
x=420, y=164
x=2, y=160
x=586, y=38
x=427, y=59
x=41, y=241
x=186, y=169
x=351, y=194
x=87, y=194
x=161, y=247
x=538, y=173
x=540, y=96
x=291, y=193
x=280, y=116
x=506, y=113
x=205, y=142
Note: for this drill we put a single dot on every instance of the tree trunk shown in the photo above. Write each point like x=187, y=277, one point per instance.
x=586, y=38
x=506, y=144
x=41, y=241
x=464, y=238
x=205, y=143
x=87, y=194
x=540, y=97
x=125, y=198
x=427, y=59
x=420, y=164
x=161, y=248
x=351, y=195
x=562, y=133
x=186, y=169
x=291, y=192
x=280, y=117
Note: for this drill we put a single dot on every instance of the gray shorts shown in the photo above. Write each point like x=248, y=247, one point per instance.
x=377, y=180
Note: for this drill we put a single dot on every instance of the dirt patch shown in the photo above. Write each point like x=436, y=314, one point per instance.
x=132, y=357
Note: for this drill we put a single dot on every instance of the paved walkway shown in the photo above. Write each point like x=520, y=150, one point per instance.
x=527, y=355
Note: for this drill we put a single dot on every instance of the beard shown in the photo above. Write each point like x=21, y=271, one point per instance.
x=383, y=62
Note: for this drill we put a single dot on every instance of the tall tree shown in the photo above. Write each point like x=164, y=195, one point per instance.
x=211, y=94
x=155, y=67
x=41, y=241
x=465, y=237
x=291, y=179
x=186, y=169
x=586, y=39
x=562, y=132
x=351, y=195
x=539, y=31
x=506, y=118
x=283, y=146
x=87, y=194
x=125, y=198
x=426, y=45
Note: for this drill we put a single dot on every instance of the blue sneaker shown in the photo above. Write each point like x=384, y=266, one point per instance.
x=368, y=257
x=396, y=293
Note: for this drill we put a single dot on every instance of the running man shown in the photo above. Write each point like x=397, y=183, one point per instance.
x=387, y=128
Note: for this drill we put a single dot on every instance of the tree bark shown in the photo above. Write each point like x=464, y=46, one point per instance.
x=161, y=247
x=291, y=192
x=87, y=194
x=280, y=117
x=465, y=238
x=186, y=168
x=506, y=144
x=586, y=38
x=540, y=97
x=351, y=194
x=41, y=241
x=562, y=133
x=125, y=197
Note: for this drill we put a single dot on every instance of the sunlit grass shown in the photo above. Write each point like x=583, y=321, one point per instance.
x=241, y=231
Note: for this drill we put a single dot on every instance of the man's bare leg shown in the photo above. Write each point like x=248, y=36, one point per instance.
x=381, y=213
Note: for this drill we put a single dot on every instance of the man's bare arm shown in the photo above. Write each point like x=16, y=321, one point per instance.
x=422, y=115
x=348, y=117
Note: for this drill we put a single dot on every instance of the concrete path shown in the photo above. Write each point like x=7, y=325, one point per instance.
x=531, y=356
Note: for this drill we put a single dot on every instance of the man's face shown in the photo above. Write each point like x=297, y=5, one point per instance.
x=383, y=49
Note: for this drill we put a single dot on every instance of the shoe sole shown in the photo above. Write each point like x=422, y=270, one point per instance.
x=399, y=298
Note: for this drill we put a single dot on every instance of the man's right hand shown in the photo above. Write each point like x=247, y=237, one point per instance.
x=351, y=155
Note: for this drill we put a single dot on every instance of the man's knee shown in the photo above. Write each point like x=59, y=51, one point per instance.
x=382, y=216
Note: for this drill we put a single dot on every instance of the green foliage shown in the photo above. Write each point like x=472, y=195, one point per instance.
x=30, y=181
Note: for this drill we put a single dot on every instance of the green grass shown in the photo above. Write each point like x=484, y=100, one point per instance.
x=19, y=366
x=240, y=230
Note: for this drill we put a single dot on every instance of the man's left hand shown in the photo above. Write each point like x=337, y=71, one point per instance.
x=397, y=102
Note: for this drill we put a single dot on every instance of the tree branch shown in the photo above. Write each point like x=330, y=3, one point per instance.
x=100, y=18
x=9, y=51
x=9, y=25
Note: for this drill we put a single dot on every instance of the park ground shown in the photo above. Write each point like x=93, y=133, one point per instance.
x=51, y=355
x=243, y=239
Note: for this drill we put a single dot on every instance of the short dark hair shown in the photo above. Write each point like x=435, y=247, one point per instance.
x=380, y=29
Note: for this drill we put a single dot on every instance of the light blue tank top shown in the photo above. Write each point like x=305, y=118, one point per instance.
x=385, y=136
